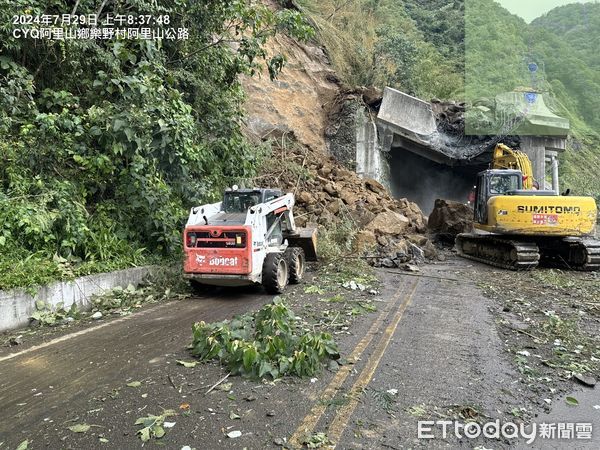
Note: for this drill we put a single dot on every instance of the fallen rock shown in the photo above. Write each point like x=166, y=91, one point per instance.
x=374, y=186
x=586, y=380
x=417, y=252
x=330, y=188
x=330, y=194
x=334, y=206
x=362, y=216
x=450, y=218
x=349, y=198
x=305, y=197
x=97, y=315
x=411, y=268
x=389, y=222
x=365, y=242
x=388, y=262
x=15, y=340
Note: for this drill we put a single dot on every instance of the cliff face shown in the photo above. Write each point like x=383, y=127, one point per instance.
x=297, y=103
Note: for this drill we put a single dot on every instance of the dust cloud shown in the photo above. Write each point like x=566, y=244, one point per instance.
x=423, y=181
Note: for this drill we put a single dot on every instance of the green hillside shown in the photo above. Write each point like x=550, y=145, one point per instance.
x=408, y=44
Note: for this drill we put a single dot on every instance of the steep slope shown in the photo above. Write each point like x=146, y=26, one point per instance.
x=296, y=104
x=577, y=24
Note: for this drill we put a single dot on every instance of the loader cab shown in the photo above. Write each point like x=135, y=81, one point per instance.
x=240, y=200
x=491, y=183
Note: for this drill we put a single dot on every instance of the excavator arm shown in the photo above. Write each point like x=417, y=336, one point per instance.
x=507, y=158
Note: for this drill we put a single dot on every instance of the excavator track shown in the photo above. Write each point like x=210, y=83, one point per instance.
x=495, y=251
x=572, y=254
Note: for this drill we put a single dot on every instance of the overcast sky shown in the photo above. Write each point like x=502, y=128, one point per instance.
x=531, y=9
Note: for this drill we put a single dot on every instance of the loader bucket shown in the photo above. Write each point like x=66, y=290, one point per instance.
x=305, y=238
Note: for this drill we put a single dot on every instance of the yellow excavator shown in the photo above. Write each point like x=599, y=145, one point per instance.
x=519, y=226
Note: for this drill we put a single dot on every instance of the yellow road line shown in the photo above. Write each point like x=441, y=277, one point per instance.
x=343, y=415
x=309, y=422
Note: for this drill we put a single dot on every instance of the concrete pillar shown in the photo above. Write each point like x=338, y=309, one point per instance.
x=535, y=148
x=369, y=160
x=555, y=185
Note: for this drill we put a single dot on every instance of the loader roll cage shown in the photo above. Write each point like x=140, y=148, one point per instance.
x=241, y=200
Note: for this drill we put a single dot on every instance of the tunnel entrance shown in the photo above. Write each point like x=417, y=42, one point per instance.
x=423, y=181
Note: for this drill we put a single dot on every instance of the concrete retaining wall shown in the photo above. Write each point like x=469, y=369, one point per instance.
x=16, y=306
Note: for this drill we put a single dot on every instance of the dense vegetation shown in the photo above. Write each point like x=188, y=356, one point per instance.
x=411, y=45
x=106, y=143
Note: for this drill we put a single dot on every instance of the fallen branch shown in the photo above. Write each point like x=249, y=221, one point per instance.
x=456, y=280
x=173, y=383
x=217, y=383
x=525, y=333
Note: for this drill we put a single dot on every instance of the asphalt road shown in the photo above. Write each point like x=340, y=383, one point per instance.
x=430, y=352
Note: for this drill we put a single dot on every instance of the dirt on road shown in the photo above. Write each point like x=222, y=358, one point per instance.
x=426, y=346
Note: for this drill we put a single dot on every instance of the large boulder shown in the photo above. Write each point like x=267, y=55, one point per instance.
x=450, y=218
x=389, y=222
x=365, y=242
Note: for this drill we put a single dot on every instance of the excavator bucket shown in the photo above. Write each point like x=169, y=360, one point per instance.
x=305, y=238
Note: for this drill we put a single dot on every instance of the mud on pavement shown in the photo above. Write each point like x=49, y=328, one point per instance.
x=439, y=345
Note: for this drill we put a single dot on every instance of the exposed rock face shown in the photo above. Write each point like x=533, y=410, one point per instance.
x=450, y=218
x=296, y=104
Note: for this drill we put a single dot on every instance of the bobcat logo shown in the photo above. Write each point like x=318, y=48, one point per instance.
x=200, y=259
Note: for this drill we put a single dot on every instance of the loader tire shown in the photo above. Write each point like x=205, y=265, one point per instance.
x=297, y=263
x=275, y=273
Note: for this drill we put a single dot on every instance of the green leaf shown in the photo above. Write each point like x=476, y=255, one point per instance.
x=188, y=364
x=129, y=133
x=134, y=384
x=118, y=124
x=158, y=431
x=572, y=401
x=5, y=65
x=2, y=241
x=265, y=368
x=40, y=305
x=103, y=440
x=79, y=428
x=23, y=445
x=249, y=357
x=144, y=434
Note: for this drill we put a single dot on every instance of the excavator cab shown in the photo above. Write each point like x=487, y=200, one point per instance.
x=517, y=225
x=491, y=183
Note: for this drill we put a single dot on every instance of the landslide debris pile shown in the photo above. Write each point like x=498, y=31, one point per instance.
x=476, y=150
x=449, y=218
x=390, y=231
x=450, y=116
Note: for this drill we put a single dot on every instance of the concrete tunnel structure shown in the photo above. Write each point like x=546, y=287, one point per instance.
x=425, y=164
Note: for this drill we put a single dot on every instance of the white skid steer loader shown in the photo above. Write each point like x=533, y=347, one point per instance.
x=248, y=238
